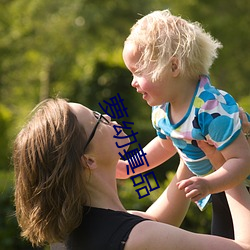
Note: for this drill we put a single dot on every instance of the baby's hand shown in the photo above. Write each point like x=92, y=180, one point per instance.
x=195, y=187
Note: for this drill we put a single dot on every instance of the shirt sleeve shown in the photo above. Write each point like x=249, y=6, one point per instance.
x=159, y=121
x=219, y=120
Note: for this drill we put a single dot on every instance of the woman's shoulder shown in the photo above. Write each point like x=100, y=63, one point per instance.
x=110, y=227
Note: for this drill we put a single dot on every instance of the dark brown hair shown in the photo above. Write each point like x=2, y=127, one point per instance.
x=49, y=181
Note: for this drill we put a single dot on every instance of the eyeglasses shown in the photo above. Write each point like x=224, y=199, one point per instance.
x=100, y=118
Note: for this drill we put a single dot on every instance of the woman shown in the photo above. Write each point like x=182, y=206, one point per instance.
x=65, y=189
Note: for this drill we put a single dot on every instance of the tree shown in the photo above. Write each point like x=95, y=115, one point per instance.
x=72, y=48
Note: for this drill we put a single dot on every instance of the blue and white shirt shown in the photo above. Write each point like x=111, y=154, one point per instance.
x=213, y=115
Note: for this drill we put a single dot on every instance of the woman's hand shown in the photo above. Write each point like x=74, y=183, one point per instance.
x=245, y=124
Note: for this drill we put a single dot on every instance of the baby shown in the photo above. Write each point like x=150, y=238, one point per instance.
x=170, y=59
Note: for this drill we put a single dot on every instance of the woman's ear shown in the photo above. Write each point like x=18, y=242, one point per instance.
x=90, y=161
x=175, y=66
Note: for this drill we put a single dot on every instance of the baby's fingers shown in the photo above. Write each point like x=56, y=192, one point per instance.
x=194, y=195
x=184, y=183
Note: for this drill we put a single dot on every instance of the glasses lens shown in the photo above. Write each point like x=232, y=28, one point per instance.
x=99, y=116
x=105, y=120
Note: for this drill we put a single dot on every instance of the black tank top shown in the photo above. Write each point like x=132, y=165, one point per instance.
x=102, y=229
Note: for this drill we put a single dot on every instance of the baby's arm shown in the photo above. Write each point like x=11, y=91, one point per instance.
x=234, y=171
x=171, y=207
x=157, y=151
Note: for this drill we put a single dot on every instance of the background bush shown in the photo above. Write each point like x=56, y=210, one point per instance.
x=73, y=48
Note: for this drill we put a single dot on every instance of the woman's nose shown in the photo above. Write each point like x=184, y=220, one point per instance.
x=107, y=117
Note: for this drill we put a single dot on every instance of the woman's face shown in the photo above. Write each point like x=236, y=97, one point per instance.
x=103, y=141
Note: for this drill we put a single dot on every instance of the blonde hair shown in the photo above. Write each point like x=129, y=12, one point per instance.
x=160, y=36
x=49, y=186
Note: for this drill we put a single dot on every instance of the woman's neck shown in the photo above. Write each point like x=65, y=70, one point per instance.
x=102, y=189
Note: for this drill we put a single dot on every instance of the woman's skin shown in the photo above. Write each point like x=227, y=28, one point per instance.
x=102, y=189
x=96, y=176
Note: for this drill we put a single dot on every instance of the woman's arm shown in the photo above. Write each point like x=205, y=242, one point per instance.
x=160, y=236
x=239, y=203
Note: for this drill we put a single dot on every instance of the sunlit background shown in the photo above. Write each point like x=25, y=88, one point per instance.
x=72, y=48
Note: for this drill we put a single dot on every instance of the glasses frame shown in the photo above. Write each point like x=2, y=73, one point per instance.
x=100, y=118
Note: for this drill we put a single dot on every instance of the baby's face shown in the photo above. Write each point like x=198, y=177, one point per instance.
x=154, y=93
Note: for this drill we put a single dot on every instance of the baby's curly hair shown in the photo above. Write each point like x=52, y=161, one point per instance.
x=49, y=181
x=160, y=36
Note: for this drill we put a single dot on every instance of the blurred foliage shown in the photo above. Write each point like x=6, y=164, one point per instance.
x=5, y=124
x=9, y=231
x=72, y=48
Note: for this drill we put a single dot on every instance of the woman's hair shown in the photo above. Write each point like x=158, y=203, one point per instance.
x=49, y=182
x=160, y=36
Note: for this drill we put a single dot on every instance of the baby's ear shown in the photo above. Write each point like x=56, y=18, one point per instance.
x=175, y=66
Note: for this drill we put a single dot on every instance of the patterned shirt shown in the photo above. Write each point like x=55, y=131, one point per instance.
x=213, y=115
